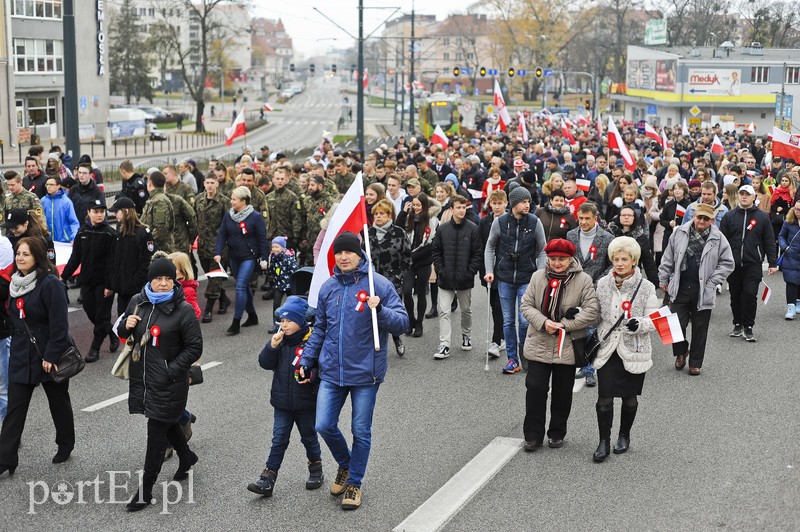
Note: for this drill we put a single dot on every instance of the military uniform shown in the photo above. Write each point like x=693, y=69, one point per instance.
x=428, y=180
x=135, y=190
x=159, y=215
x=285, y=215
x=331, y=191
x=25, y=200
x=185, y=223
x=315, y=209
x=294, y=185
x=181, y=189
x=343, y=182
x=259, y=202
x=226, y=187
x=209, y=217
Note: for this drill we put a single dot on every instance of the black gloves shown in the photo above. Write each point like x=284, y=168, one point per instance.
x=632, y=324
x=572, y=312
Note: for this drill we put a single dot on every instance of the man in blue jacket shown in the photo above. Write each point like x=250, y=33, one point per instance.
x=342, y=347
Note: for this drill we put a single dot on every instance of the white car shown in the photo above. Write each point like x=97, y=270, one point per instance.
x=287, y=93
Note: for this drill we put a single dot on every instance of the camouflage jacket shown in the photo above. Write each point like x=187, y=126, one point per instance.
x=209, y=213
x=159, y=215
x=285, y=214
x=185, y=223
x=226, y=187
x=259, y=203
x=181, y=189
x=343, y=182
x=428, y=180
x=315, y=209
x=24, y=200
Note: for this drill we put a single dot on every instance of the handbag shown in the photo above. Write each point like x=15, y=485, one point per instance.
x=69, y=364
x=131, y=351
x=585, y=349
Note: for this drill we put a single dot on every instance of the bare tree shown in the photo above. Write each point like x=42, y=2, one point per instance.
x=772, y=23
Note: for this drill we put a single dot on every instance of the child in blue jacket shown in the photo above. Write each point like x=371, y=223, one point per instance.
x=282, y=265
x=294, y=404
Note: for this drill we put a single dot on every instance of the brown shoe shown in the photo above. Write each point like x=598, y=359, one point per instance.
x=694, y=371
x=337, y=488
x=680, y=362
x=352, y=498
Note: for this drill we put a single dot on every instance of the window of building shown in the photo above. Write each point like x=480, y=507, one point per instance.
x=41, y=111
x=793, y=75
x=37, y=8
x=459, y=56
x=759, y=74
x=21, y=113
x=446, y=41
x=446, y=56
x=151, y=11
x=38, y=55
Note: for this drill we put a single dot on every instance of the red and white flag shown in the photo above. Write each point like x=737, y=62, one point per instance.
x=766, y=294
x=566, y=133
x=500, y=107
x=751, y=127
x=562, y=335
x=599, y=127
x=583, y=184
x=217, y=273
x=522, y=126
x=439, y=137
x=785, y=144
x=717, y=147
x=365, y=81
x=680, y=210
x=650, y=131
x=616, y=142
x=350, y=215
x=7, y=259
x=669, y=329
x=660, y=313
x=582, y=120
x=236, y=129
x=685, y=129
x=267, y=106
x=664, y=139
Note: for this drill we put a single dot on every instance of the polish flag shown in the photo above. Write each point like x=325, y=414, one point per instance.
x=669, y=329
x=500, y=107
x=583, y=184
x=717, y=147
x=751, y=127
x=660, y=313
x=267, y=106
x=766, y=294
x=350, y=215
x=599, y=127
x=665, y=140
x=680, y=210
x=547, y=118
x=63, y=253
x=439, y=137
x=217, y=273
x=565, y=132
x=650, y=131
x=236, y=129
x=582, y=120
x=365, y=81
x=785, y=145
x=562, y=335
x=7, y=259
x=615, y=142
x=685, y=129
x=522, y=126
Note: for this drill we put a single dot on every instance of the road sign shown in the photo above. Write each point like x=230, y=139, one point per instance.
x=468, y=107
x=492, y=71
x=489, y=109
x=695, y=110
x=84, y=102
x=548, y=72
x=521, y=72
x=695, y=121
x=652, y=110
x=466, y=71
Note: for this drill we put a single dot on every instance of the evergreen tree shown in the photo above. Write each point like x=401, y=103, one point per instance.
x=128, y=59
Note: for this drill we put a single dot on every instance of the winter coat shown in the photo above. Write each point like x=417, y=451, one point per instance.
x=84, y=196
x=135, y=190
x=190, y=294
x=749, y=232
x=285, y=392
x=341, y=344
x=159, y=380
x=633, y=348
x=515, y=248
x=646, y=261
x=600, y=265
x=59, y=214
x=457, y=254
x=46, y=314
x=716, y=263
x=789, y=242
x=245, y=243
x=542, y=346
x=132, y=255
x=281, y=267
x=556, y=222
x=420, y=240
x=93, y=251
x=392, y=255
x=668, y=214
x=35, y=184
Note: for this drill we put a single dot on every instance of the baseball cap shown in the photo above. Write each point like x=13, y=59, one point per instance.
x=748, y=189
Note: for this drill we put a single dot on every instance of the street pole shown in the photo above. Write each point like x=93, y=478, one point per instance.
x=783, y=94
x=411, y=77
x=71, y=129
x=396, y=74
x=385, y=74
x=402, y=83
x=360, y=106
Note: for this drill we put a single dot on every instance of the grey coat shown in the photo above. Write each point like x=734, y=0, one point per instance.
x=601, y=264
x=716, y=263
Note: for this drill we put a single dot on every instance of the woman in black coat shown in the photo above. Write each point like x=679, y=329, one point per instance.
x=629, y=223
x=420, y=229
x=165, y=326
x=38, y=297
x=134, y=249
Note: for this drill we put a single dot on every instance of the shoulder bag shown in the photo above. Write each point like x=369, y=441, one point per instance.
x=131, y=351
x=69, y=364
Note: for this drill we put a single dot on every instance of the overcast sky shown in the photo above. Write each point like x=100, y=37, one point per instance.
x=312, y=33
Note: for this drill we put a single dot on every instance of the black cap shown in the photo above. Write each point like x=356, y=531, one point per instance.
x=347, y=241
x=98, y=204
x=15, y=217
x=122, y=203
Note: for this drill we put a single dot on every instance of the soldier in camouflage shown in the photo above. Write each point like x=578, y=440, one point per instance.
x=427, y=176
x=20, y=198
x=177, y=187
x=344, y=177
x=210, y=206
x=316, y=205
x=185, y=227
x=285, y=211
x=159, y=214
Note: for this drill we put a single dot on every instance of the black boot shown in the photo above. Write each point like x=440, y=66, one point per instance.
x=417, y=329
x=398, y=345
x=625, y=424
x=274, y=328
x=209, y=311
x=224, y=302
x=252, y=319
x=93, y=355
x=234, y=328
x=605, y=418
x=187, y=460
x=140, y=503
x=315, y=476
x=265, y=484
x=113, y=342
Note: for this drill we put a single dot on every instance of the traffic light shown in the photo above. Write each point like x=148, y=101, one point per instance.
x=587, y=104
x=312, y=67
x=511, y=72
x=291, y=67
x=456, y=71
x=539, y=72
x=483, y=71
x=333, y=69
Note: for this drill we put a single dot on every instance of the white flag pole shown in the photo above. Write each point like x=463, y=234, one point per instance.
x=375, y=335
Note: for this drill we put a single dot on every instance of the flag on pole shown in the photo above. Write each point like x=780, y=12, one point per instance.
x=582, y=120
x=650, y=131
x=616, y=142
x=267, y=106
x=785, y=145
x=583, y=184
x=599, y=127
x=751, y=127
x=685, y=128
x=365, y=81
x=717, y=147
x=522, y=126
x=566, y=133
x=562, y=335
x=439, y=137
x=665, y=140
x=766, y=294
x=500, y=107
x=669, y=329
x=217, y=273
x=236, y=129
x=350, y=215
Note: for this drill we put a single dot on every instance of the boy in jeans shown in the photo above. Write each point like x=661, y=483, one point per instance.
x=294, y=404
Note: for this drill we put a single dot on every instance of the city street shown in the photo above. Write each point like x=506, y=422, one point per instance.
x=714, y=452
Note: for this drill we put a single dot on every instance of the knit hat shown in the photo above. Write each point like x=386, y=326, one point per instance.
x=280, y=240
x=558, y=247
x=552, y=160
x=161, y=267
x=517, y=195
x=705, y=209
x=294, y=309
x=347, y=241
x=695, y=183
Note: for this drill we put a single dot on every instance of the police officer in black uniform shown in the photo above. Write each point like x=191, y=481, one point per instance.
x=133, y=186
x=19, y=223
x=132, y=254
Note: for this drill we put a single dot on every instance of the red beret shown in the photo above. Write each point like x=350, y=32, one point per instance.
x=558, y=247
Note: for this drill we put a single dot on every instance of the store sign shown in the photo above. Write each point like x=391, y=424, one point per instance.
x=714, y=82
x=101, y=38
x=695, y=121
x=655, y=32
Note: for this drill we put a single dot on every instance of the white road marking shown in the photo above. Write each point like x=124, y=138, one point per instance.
x=443, y=505
x=124, y=396
x=579, y=385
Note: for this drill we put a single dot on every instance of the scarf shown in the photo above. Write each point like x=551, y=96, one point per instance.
x=241, y=215
x=381, y=232
x=554, y=292
x=491, y=184
x=696, y=243
x=158, y=297
x=295, y=338
x=563, y=210
x=22, y=284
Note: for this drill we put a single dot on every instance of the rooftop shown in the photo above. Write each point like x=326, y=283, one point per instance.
x=731, y=53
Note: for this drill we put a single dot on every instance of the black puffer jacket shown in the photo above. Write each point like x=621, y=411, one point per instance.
x=457, y=255
x=391, y=257
x=93, y=251
x=159, y=381
x=749, y=232
x=286, y=393
x=131, y=260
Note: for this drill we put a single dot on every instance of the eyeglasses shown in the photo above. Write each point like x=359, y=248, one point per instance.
x=703, y=217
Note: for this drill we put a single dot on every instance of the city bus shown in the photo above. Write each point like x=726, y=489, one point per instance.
x=439, y=109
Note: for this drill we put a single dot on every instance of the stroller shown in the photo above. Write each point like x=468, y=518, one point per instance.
x=299, y=285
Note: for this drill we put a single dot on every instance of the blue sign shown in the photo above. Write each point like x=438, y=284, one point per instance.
x=521, y=72
x=466, y=71
x=651, y=110
x=548, y=72
x=492, y=72
x=788, y=104
x=84, y=102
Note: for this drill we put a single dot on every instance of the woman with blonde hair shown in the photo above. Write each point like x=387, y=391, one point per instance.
x=556, y=181
x=730, y=196
x=185, y=276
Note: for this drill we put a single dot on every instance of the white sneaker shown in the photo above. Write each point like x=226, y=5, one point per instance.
x=502, y=345
x=466, y=343
x=442, y=353
x=719, y=288
x=494, y=350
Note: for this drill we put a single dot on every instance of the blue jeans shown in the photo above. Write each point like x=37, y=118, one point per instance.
x=510, y=301
x=282, y=430
x=5, y=351
x=329, y=405
x=242, y=271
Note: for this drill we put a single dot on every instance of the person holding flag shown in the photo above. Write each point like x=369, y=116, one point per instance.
x=697, y=259
x=560, y=303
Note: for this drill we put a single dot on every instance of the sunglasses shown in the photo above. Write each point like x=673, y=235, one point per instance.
x=704, y=217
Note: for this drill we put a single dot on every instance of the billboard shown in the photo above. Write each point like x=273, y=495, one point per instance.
x=666, y=74
x=655, y=32
x=715, y=81
x=642, y=74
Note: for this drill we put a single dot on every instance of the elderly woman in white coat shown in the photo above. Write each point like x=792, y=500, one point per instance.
x=626, y=300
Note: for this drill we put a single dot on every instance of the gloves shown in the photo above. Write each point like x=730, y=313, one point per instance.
x=572, y=312
x=632, y=325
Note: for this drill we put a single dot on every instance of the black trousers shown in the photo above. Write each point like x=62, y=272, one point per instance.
x=791, y=293
x=537, y=383
x=98, y=310
x=415, y=279
x=277, y=301
x=19, y=399
x=159, y=434
x=744, y=283
x=497, y=314
x=687, y=313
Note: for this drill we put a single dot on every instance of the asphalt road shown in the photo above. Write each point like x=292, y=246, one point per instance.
x=714, y=452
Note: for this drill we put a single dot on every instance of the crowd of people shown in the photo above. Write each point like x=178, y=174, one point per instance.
x=568, y=242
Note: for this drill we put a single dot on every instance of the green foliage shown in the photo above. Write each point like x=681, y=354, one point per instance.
x=127, y=57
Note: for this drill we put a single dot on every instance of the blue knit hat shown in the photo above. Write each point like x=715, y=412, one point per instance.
x=294, y=309
x=453, y=179
x=280, y=240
